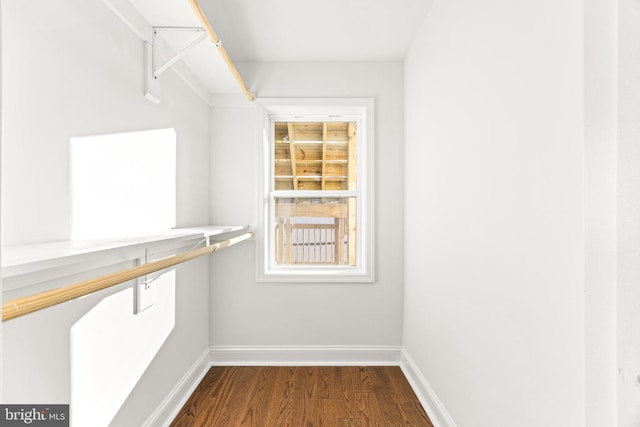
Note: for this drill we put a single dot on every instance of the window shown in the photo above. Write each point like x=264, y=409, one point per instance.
x=317, y=191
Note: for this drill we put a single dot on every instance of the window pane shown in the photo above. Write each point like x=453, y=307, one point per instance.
x=315, y=156
x=315, y=231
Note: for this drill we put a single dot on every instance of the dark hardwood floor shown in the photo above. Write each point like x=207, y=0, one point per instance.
x=303, y=397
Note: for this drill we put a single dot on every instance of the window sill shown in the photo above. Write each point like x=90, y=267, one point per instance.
x=313, y=274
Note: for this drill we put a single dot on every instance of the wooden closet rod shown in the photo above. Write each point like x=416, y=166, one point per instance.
x=216, y=40
x=25, y=305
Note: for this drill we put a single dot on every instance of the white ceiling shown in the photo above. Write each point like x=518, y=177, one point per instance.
x=320, y=30
x=294, y=30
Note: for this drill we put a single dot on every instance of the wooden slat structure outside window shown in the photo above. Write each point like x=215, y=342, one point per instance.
x=316, y=156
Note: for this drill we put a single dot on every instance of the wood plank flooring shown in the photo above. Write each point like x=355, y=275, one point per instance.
x=311, y=396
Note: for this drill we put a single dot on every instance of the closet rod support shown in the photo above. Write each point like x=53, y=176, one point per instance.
x=181, y=53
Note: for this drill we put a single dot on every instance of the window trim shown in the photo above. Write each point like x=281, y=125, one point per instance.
x=327, y=108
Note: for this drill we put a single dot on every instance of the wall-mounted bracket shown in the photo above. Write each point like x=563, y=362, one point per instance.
x=155, y=53
x=143, y=297
x=152, y=89
x=158, y=67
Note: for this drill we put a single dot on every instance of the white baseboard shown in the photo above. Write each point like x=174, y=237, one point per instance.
x=430, y=402
x=175, y=400
x=300, y=356
x=305, y=356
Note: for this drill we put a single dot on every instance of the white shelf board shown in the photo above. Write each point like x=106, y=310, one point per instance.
x=24, y=259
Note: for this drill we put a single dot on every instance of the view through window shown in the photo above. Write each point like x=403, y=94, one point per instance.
x=314, y=189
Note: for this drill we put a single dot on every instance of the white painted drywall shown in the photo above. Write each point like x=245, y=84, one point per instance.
x=494, y=219
x=628, y=319
x=74, y=69
x=109, y=357
x=600, y=90
x=247, y=313
x=103, y=170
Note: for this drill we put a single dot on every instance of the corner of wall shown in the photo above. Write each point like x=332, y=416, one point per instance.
x=432, y=405
x=171, y=405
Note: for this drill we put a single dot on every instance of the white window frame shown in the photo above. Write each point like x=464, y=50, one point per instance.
x=360, y=110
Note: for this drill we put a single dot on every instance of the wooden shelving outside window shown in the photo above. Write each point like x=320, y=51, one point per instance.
x=315, y=156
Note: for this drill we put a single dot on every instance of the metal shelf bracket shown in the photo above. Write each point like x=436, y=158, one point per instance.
x=158, y=67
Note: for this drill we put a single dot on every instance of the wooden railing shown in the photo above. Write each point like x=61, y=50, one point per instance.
x=312, y=241
x=308, y=244
x=24, y=305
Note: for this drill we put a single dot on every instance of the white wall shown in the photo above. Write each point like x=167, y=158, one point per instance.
x=72, y=68
x=628, y=213
x=494, y=219
x=600, y=50
x=246, y=313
